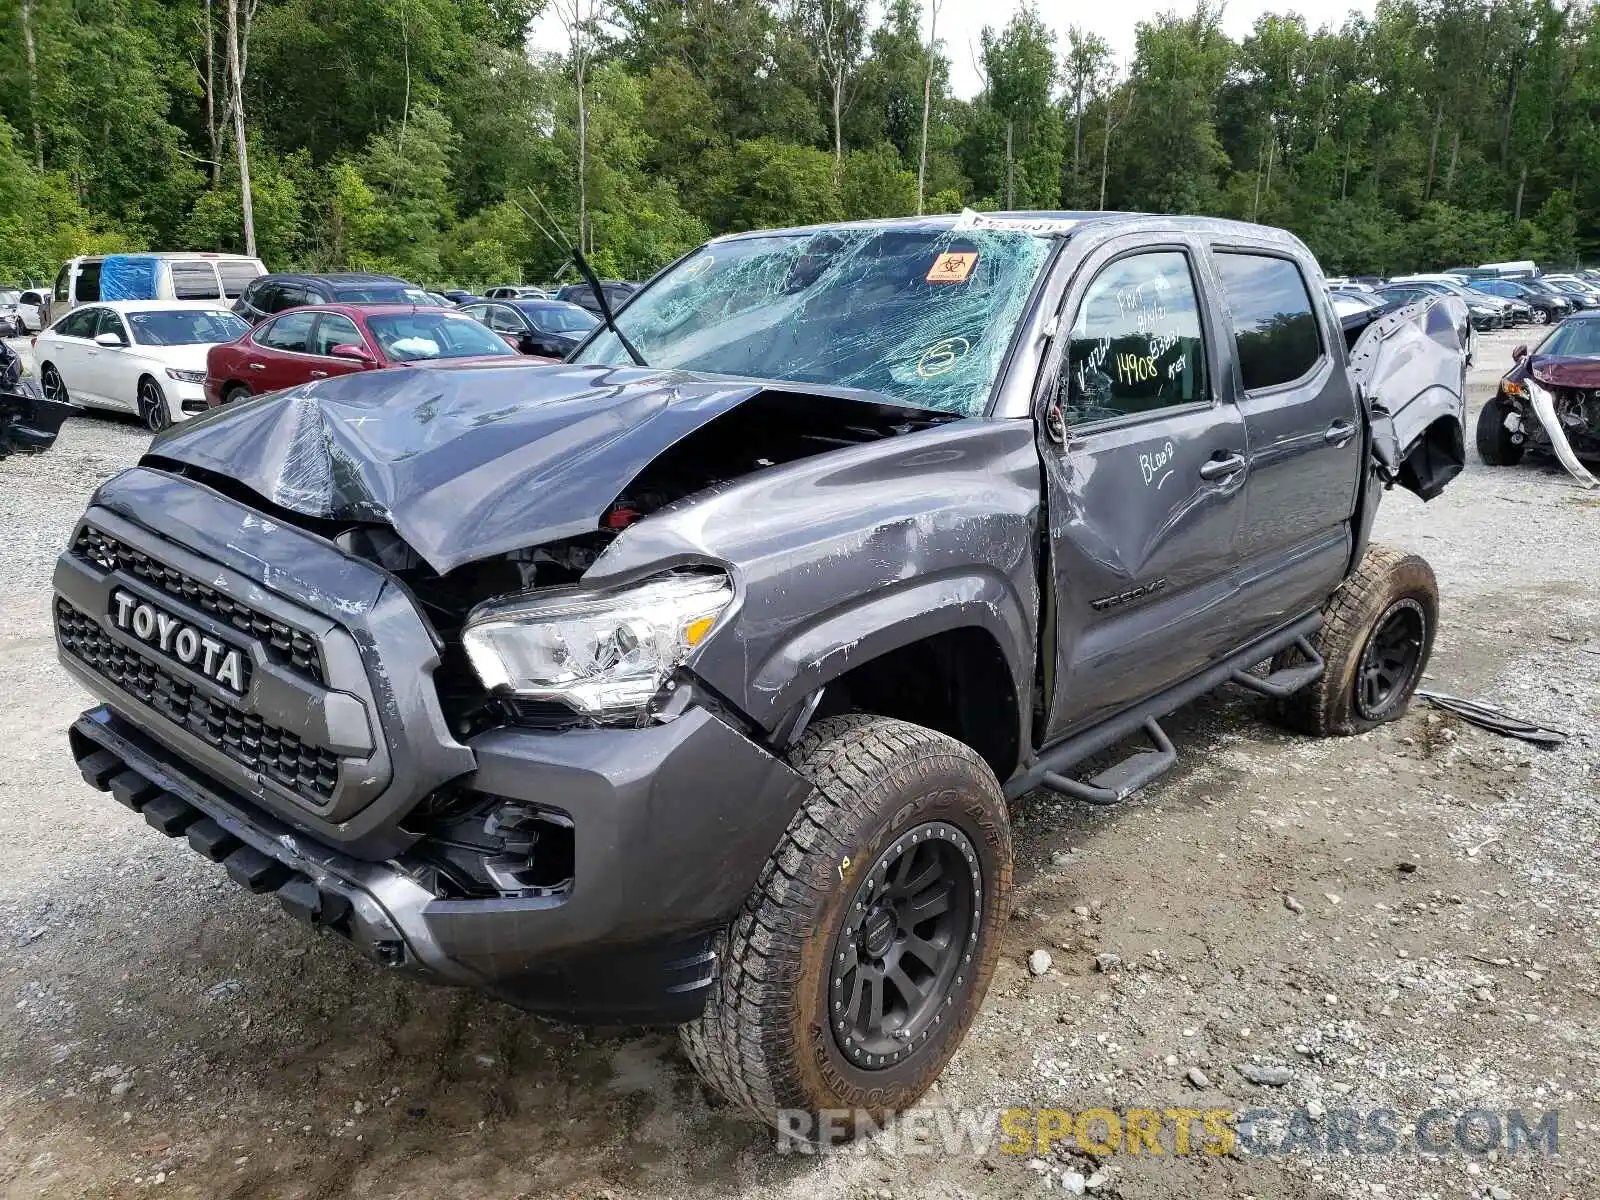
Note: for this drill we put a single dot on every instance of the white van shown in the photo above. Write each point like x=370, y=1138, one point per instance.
x=169, y=276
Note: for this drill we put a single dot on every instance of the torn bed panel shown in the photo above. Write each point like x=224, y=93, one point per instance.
x=1411, y=367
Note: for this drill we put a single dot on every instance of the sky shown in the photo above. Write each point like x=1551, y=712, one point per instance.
x=961, y=23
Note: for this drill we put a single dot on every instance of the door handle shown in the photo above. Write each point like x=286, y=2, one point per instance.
x=1338, y=433
x=1222, y=468
x=258, y=366
x=317, y=374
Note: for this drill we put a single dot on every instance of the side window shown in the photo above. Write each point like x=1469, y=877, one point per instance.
x=236, y=277
x=88, y=287
x=478, y=312
x=334, y=330
x=194, y=280
x=1274, y=324
x=503, y=319
x=1136, y=345
x=292, y=332
x=61, y=283
x=80, y=323
x=109, y=322
x=289, y=296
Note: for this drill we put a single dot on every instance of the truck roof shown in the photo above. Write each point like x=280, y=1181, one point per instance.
x=1044, y=223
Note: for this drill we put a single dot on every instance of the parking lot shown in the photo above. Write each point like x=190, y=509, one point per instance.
x=170, y=1034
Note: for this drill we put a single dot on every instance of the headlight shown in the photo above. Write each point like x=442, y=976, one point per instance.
x=603, y=654
x=186, y=376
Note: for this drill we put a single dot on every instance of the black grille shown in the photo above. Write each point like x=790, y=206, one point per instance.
x=284, y=644
x=243, y=737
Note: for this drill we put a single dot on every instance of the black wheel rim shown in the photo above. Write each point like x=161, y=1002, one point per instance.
x=52, y=385
x=905, y=953
x=155, y=407
x=1392, y=660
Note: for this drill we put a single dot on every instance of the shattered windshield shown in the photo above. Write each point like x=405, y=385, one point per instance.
x=921, y=316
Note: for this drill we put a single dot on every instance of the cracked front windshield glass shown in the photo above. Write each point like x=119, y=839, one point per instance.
x=923, y=317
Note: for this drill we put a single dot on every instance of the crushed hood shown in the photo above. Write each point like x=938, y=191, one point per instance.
x=1566, y=372
x=462, y=462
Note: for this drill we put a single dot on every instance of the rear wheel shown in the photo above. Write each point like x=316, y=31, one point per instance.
x=153, y=410
x=50, y=382
x=1497, y=445
x=234, y=393
x=1376, y=639
x=864, y=952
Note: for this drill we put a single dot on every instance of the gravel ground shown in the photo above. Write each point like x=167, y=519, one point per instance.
x=1398, y=921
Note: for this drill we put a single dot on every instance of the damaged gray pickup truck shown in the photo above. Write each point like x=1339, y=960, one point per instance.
x=687, y=681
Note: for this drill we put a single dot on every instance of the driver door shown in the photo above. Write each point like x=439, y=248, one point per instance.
x=1145, y=470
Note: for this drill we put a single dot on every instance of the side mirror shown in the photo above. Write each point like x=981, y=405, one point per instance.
x=111, y=341
x=1520, y=353
x=355, y=353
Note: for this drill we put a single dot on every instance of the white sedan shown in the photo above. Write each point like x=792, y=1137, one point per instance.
x=143, y=356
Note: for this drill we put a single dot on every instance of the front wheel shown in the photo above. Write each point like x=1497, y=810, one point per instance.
x=862, y=956
x=1540, y=317
x=1497, y=445
x=1376, y=638
x=153, y=410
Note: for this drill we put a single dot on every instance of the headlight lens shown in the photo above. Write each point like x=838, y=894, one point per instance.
x=603, y=654
x=186, y=376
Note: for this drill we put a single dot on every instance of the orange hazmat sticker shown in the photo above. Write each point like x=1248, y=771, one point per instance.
x=952, y=266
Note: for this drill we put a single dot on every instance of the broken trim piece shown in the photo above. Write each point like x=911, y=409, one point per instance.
x=1544, y=407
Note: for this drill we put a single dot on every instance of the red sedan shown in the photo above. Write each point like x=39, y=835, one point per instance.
x=304, y=344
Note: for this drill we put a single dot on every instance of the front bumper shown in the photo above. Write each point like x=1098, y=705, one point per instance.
x=331, y=778
x=662, y=861
x=186, y=398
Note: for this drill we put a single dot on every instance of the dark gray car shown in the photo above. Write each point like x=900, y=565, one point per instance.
x=693, y=691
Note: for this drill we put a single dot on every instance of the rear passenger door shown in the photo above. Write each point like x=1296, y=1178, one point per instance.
x=1303, y=434
x=1145, y=474
x=67, y=349
x=282, y=352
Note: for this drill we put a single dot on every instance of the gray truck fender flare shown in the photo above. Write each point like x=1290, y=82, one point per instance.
x=845, y=637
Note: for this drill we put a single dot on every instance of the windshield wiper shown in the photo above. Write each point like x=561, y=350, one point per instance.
x=588, y=274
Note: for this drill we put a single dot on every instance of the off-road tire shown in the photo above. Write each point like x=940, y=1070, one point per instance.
x=1388, y=585
x=764, y=1041
x=1495, y=446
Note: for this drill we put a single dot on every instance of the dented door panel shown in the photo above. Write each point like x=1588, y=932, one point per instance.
x=1144, y=508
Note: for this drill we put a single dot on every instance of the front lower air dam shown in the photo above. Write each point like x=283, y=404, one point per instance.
x=1544, y=407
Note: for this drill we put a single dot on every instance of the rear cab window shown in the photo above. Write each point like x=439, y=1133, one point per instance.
x=1274, y=323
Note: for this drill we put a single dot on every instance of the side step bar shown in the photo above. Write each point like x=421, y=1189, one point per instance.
x=1120, y=781
x=1285, y=681
x=1127, y=777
